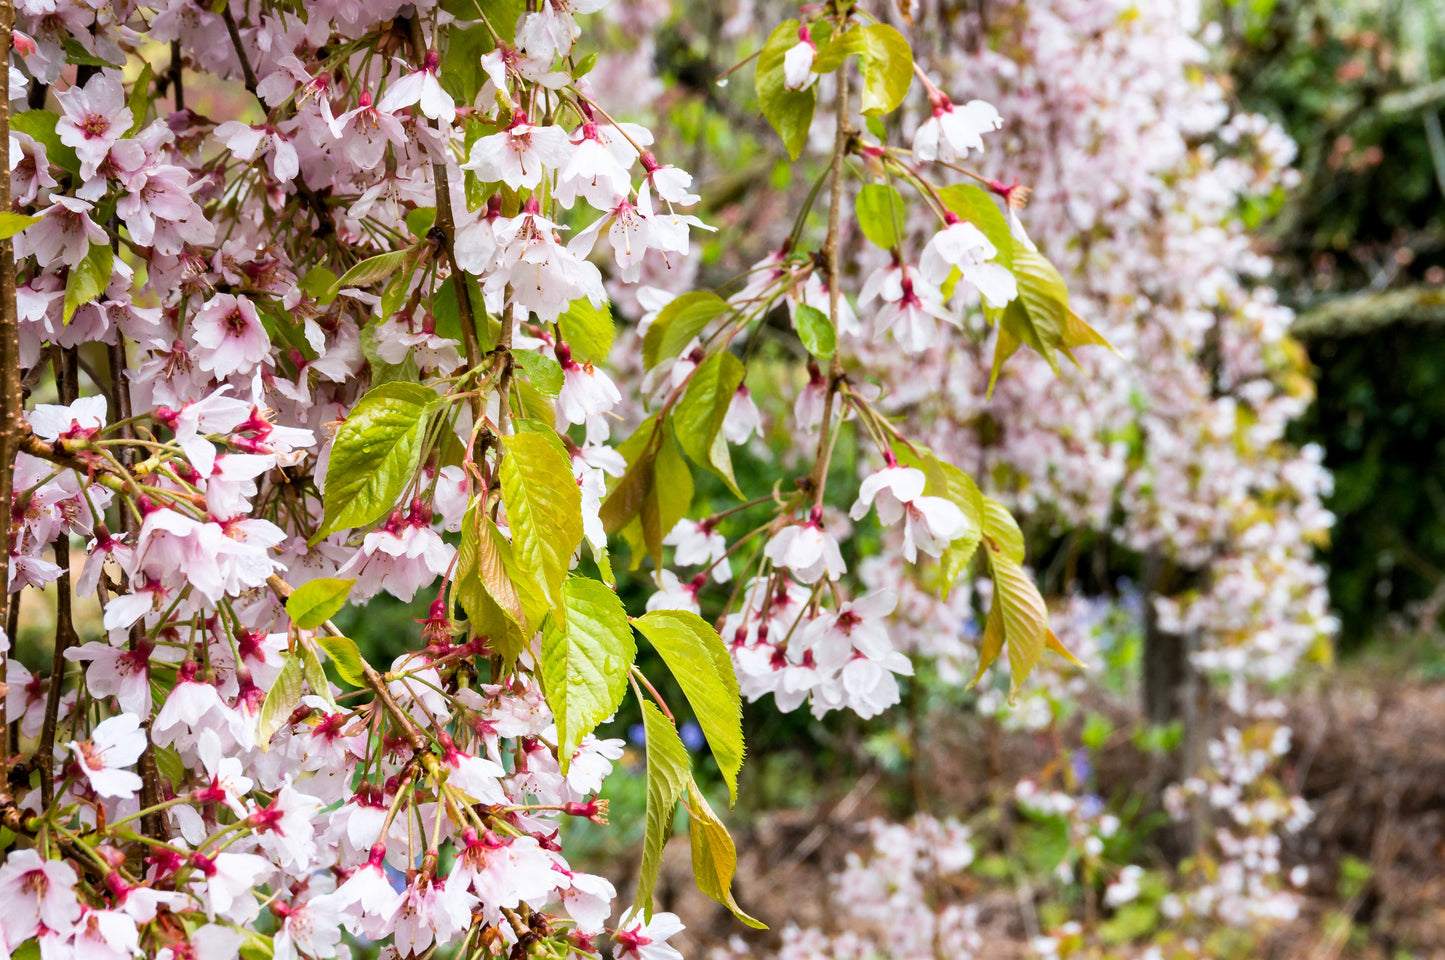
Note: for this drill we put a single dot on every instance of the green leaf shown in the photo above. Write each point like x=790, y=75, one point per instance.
x=501, y=14
x=1002, y=530
x=376, y=453
x=1024, y=617
x=544, y=510
x=835, y=49
x=1039, y=317
x=281, y=700
x=879, y=209
x=345, y=657
x=714, y=857
x=315, y=675
x=78, y=55
x=88, y=279
x=815, y=330
x=399, y=287
x=698, y=417
x=316, y=601
x=420, y=220
x=39, y=125
x=668, y=500
x=370, y=270
x=588, y=330
x=13, y=223
x=544, y=372
x=976, y=205
x=318, y=283
x=140, y=99
x=668, y=774
x=677, y=323
x=947, y=481
x=624, y=501
x=485, y=588
x=461, y=69
x=887, y=64
x=699, y=661
x=789, y=111
x=584, y=664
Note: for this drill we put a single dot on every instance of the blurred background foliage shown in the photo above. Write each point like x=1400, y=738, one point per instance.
x=1360, y=245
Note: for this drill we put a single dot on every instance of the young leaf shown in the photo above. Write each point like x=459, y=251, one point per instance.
x=701, y=665
x=315, y=675
x=370, y=270
x=1039, y=317
x=316, y=601
x=816, y=331
x=544, y=508
x=668, y=774
x=345, y=657
x=947, y=481
x=624, y=502
x=677, y=323
x=375, y=454
x=698, y=418
x=669, y=497
x=584, y=664
x=879, y=209
x=40, y=125
x=714, y=857
x=544, y=372
x=976, y=205
x=789, y=111
x=140, y=99
x=1024, y=617
x=887, y=64
x=397, y=290
x=88, y=279
x=13, y=223
x=588, y=330
x=281, y=700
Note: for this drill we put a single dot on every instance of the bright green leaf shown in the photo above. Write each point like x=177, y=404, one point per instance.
x=316, y=601
x=39, y=125
x=584, y=665
x=370, y=270
x=677, y=323
x=88, y=279
x=544, y=372
x=544, y=509
x=281, y=700
x=140, y=99
x=13, y=223
x=973, y=204
x=668, y=774
x=815, y=330
x=880, y=209
x=887, y=64
x=700, y=662
x=588, y=330
x=789, y=111
x=345, y=657
x=714, y=857
x=698, y=417
x=375, y=454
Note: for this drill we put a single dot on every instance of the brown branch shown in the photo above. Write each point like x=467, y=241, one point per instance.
x=841, y=138
x=66, y=376
x=446, y=229
x=374, y=680
x=11, y=397
x=313, y=199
